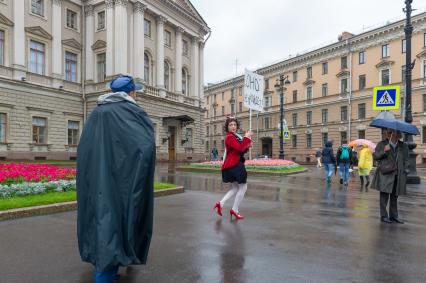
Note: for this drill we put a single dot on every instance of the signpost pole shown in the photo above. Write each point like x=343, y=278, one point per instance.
x=250, y=130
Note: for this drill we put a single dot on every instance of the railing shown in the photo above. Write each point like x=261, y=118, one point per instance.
x=151, y=90
x=172, y=96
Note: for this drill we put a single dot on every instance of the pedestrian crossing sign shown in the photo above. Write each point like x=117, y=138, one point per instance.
x=286, y=135
x=386, y=97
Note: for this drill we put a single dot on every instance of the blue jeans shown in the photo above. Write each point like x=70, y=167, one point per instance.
x=329, y=168
x=344, y=171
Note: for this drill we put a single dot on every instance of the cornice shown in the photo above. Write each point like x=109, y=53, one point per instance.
x=39, y=31
x=121, y=3
x=72, y=43
x=343, y=73
x=4, y=20
x=384, y=63
x=422, y=53
x=139, y=7
x=89, y=10
x=99, y=44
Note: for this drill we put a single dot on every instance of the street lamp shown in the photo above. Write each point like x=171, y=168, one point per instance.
x=280, y=88
x=412, y=177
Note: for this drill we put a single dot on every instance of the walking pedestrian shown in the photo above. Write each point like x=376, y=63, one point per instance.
x=318, y=156
x=344, y=160
x=329, y=160
x=233, y=169
x=354, y=160
x=215, y=153
x=391, y=175
x=365, y=164
x=115, y=182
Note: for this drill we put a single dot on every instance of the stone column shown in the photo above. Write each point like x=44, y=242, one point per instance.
x=120, y=28
x=202, y=70
x=178, y=73
x=19, y=40
x=139, y=40
x=57, y=43
x=195, y=83
x=160, y=54
x=110, y=38
x=90, y=31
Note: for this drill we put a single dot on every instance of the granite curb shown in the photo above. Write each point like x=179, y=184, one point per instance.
x=65, y=206
x=218, y=171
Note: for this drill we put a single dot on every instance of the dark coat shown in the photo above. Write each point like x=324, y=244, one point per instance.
x=339, y=152
x=328, y=154
x=385, y=183
x=115, y=182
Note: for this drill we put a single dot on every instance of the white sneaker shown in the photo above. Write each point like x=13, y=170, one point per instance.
x=351, y=170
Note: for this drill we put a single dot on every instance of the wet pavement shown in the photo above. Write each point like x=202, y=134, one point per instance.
x=297, y=229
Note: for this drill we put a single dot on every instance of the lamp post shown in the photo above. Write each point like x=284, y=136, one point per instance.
x=280, y=88
x=412, y=177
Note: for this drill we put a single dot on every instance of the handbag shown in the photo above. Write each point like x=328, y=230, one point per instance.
x=388, y=166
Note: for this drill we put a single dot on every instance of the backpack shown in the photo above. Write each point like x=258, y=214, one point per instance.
x=344, y=155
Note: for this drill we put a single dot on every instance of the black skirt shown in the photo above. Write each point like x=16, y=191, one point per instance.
x=237, y=174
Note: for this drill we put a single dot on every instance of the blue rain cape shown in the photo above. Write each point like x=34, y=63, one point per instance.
x=115, y=184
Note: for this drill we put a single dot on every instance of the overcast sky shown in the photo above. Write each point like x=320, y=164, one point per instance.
x=263, y=32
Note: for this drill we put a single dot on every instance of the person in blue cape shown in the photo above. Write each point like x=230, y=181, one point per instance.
x=115, y=182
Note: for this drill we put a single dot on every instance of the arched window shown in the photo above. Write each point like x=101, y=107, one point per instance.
x=146, y=66
x=166, y=75
x=184, y=82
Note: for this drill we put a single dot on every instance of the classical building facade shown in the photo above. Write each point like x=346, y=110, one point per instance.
x=58, y=56
x=329, y=95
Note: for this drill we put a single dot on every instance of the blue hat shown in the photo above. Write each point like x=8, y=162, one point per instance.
x=125, y=84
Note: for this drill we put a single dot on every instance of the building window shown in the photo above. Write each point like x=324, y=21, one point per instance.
x=101, y=20
x=3, y=125
x=325, y=68
x=309, y=93
x=295, y=75
x=188, y=138
x=385, y=74
x=167, y=38
x=403, y=73
x=423, y=134
x=185, y=82
x=37, y=57
x=73, y=132
x=207, y=130
x=324, y=138
x=294, y=141
x=223, y=95
x=361, y=57
x=70, y=66
x=424, y=103
x=361, y=111
x=240, y=91
x=361, y=82
x=39, y=130
x=294, y=96
x=268, y=101
x=343, y=137
x=424, y=39
x=166, y=75
x=240, y=106
x=147, y=27
x=324, y=116
x=37, y=7
x=404, y=46
x=385, y=51
x=223, y=110
x=344, y=113
x=309, y=118
x=233, y=110
x=324, y=89
x=185, y=47
x=101, y=66
x=266, y=83
x=214, y=129
x=309, y=73
x=294, y=118
x=344, y=62
x=308, y=140
x=267, y=123
x=71, y=19
x=214, y=113
x=343, y=86
x=1, y=47
x=147, y=68
x=361, y=134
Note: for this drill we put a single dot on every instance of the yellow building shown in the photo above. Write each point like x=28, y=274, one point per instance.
x=330, y=95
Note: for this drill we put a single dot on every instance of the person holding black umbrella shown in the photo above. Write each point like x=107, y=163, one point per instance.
x=391, y=174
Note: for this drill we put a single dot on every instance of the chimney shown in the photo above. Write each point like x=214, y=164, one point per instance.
x=345, y=35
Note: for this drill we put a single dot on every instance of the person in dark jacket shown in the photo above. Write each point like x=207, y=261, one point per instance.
x=318, y=157
x=233, y=169
x=115, y=182
x=344, y=157
x=329, y=160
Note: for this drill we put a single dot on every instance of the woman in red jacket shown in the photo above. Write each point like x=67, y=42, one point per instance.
x=233, y=169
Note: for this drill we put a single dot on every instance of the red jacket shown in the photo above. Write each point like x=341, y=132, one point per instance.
x=234, y=148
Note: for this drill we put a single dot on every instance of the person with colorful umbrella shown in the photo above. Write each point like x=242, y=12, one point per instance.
x=365, y=164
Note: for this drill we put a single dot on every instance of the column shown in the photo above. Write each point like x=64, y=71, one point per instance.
x=195, y=83
x=120, y=46
x=178, y=73
x=57, y=43
x=19, y=40
x=202, y=70
x=110, y=38
x=90, y=31
x=160, y=53
x=139, y=40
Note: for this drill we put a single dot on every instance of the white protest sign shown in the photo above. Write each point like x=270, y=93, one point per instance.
x=253, y=91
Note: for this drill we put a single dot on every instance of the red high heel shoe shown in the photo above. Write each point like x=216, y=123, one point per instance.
x=237, y=215
x=218, y=208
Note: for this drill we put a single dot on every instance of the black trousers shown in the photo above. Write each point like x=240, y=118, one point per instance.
x=393, y=205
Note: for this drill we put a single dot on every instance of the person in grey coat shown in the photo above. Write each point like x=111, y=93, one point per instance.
x=393, y=184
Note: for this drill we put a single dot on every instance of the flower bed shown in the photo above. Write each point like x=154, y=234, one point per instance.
x=35, y=188
x=16, y=173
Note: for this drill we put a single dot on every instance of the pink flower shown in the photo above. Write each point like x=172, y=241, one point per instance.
x=34, y=172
